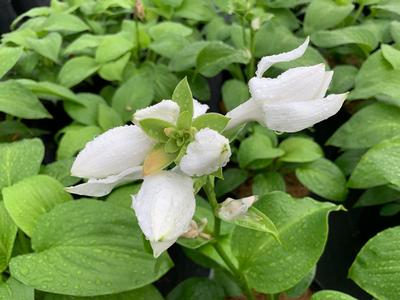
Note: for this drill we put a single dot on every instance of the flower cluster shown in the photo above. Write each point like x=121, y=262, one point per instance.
x=176, y=140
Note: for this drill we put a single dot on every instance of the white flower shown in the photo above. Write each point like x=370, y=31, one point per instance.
x=113, y=158
x=293, y=101
x=167, y=110
x=206, y=154
x=231, y=209
x=164, y=208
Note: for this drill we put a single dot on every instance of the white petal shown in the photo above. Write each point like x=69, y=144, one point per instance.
x=112, y=152
x=166, y=110
x=303, y=82
x=248, y=111
x=160, y=247
x=268, y=61
x=206, y=154
x=164, y=207
x=296, y=116
x=199, y=108
x=102, y=187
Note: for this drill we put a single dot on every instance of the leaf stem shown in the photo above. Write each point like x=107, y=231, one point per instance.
x=209, y=189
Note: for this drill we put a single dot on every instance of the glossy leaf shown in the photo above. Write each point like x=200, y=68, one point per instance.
x=183, y=96
x=213, y=121
x=79, y=235
x=8, y=233
x=29, y=199
x=300, y=150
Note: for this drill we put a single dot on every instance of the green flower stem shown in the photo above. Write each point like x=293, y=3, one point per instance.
x=209, y=189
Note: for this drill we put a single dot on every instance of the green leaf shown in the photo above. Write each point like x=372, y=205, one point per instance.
x=268, y=182
x=349, y=160
x=233, y=178
x=148, y=292
x=61, y=170
x=184, y=120
x=114, y=70
x=213, y=121
x=84, y=44
x=186, y=57
x=329, y=295
x=122, y=196
x=14, y=290
x=343, y=78
x=368, y=35
x=375, y=267
x=183, y=96
x=302, y=228
x=76, y=70
x=8, y=233
x=300, y=150
x=201, y=10
x=136, y=93
x=86, y=110
x=155, y=128
x=74, y=139
x=390, y=209
x=301, y=287
x=377, y=196
x=49, y=46
x=49, y=90
x=10, y=130
x=255, y=220
x=377, y=78
x=234, y=93
x=378, y=166
x=217, y=56
x=388, y=6
x=18, y=101
x=325, y=14
x=61, y=21
x=9, y=56
x=29, y=199
x=107, y=50
x=169, y=45
x=197, y=289
x=108, y=118
x=392, y=55
x=19, y=160
x=166, y=28
x=368, y=127
x=257, y=152
x=79, y=235
x=323, y=178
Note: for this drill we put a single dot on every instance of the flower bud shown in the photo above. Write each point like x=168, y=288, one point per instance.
x=231, y=209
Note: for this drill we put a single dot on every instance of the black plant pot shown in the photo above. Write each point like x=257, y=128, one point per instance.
x=7, y=15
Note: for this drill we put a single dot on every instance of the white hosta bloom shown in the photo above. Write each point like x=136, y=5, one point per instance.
x=113, y=158
x=293, y=101
x=206, y=154
x=167, y=110
x=231, y=209
x=164, y=208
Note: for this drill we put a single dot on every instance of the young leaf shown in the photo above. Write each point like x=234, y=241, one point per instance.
x=375, y=267
x=184, y=120
x=76, y=70
x=111, y=240
x=7, y=236
x=20, y=160
x=324, y=178
x=29, y=199
x=17, y=100
x=213, y=121
x=9, y=56
x=183, y=96
x=300, y=150
x=155, y=128
x=49, y=46
x=157, y=160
